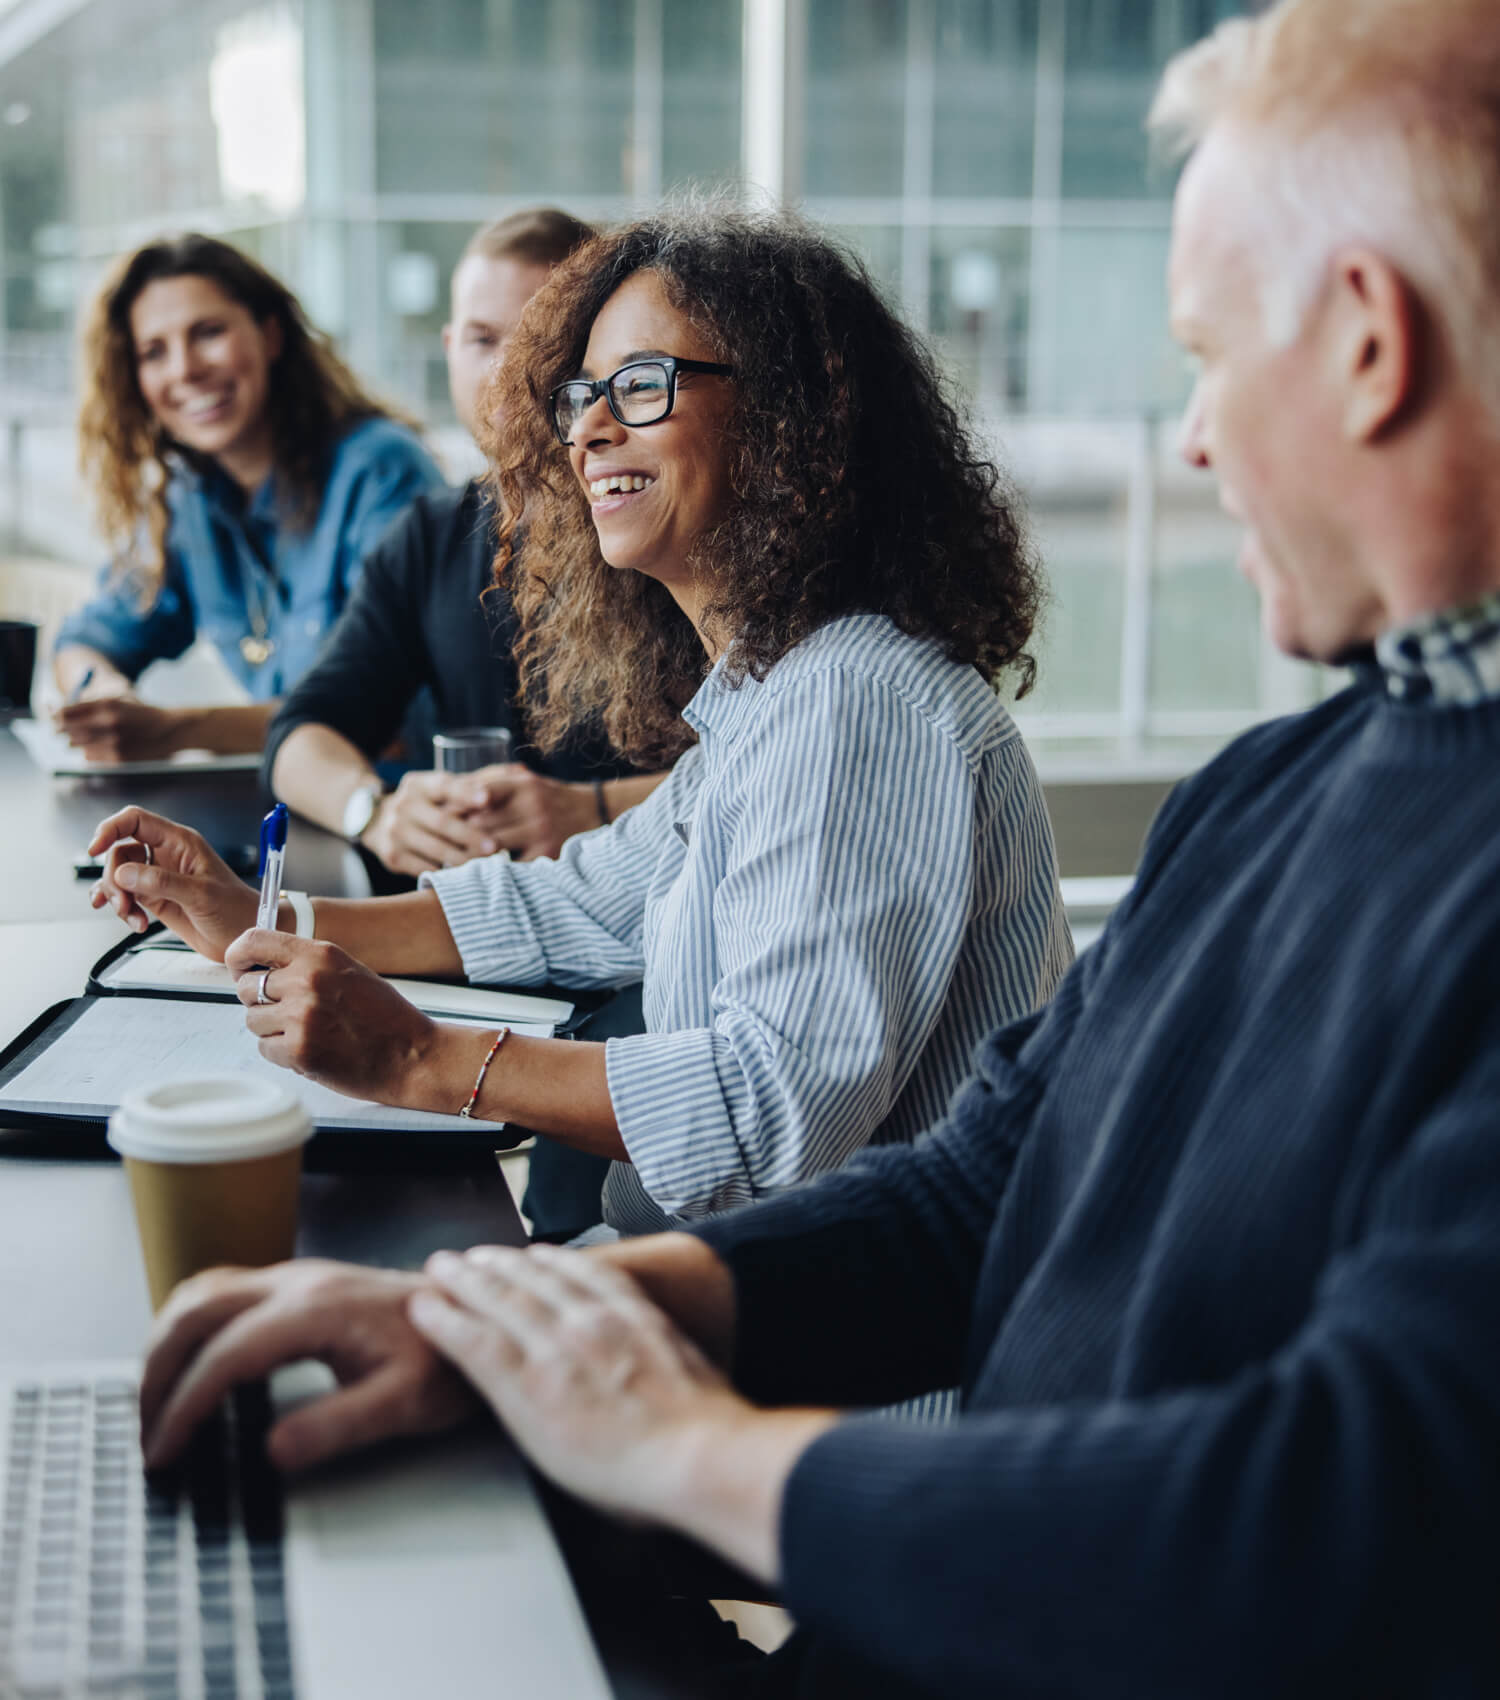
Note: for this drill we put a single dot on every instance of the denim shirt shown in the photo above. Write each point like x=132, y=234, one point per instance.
x=226, y=554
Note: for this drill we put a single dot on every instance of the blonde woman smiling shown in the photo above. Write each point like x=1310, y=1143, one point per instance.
x=240, y=472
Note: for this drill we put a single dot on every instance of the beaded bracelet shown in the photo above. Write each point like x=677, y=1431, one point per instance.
x=484, y=1068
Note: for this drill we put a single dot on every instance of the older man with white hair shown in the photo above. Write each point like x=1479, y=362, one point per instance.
x=1213, y=1242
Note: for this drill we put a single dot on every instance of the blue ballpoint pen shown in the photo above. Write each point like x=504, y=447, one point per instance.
x=76, y=694
x=272, y=855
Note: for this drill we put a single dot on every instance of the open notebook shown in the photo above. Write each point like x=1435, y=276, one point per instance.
x=158, y=966
x=156, y=1011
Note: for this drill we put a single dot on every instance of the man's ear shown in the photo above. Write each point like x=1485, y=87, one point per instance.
x=447, y=338
x=1374, y=321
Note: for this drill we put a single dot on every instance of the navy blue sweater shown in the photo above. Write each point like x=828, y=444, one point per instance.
x=1213, y=1246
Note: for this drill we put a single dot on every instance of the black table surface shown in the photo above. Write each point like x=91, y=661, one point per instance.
x=66, y=1232
x=70, y=1263
x=46, y=824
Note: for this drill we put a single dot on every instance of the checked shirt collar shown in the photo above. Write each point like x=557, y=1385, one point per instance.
x=1450, y=659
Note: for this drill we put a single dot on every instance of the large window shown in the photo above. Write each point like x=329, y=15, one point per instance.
x=986, y=158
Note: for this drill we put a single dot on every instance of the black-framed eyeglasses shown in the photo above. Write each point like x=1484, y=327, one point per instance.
x=643, y=392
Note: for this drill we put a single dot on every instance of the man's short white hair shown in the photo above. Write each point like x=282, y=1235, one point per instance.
x=1369, y=122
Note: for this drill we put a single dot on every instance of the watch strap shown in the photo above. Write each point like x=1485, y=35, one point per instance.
x=360, y=809
x=302, y=909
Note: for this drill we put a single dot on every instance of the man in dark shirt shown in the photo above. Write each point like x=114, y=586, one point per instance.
x=425, y=642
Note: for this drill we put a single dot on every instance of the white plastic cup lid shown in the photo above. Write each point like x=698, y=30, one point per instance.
x=210, y=1119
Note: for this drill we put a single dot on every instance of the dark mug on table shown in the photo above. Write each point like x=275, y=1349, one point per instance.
x=18, y=639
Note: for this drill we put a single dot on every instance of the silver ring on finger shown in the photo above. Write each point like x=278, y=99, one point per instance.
x=149, y=858
x=260, y=990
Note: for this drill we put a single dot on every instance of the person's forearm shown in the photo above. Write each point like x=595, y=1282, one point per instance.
x=393, y=935
x=688, y=1280
x=730, y=1478
x=622, y=794
x=317, y=770
x=230, y=731
x=73, y=660
x=557, y=1086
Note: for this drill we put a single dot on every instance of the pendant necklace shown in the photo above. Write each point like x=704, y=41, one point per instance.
x=257, y=646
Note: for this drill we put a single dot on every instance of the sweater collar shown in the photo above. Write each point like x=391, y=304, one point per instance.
x=1449, y=659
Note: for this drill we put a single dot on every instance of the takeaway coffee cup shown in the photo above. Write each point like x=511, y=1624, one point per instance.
x=214, y=1165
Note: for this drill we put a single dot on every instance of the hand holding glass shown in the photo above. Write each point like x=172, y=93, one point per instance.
x=466, y=749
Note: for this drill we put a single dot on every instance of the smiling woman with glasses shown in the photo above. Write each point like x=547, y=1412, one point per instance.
x=767, y=546
x=643, y=392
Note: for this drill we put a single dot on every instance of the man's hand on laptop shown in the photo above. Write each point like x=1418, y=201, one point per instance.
x=232, y=1325
x=597, y=1384
x=608, y=1397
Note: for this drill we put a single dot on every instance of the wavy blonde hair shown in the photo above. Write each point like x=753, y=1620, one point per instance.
x=856, y=485
x=125, y=456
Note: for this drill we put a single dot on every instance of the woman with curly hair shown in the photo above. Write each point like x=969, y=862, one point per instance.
x=240, y=474
x=758, y=534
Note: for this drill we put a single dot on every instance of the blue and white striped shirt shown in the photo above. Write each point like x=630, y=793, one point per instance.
x=835, y=895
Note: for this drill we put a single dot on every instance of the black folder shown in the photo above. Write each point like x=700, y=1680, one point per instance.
x=335, y=1137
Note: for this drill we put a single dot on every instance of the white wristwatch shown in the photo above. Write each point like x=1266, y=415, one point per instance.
x=302, y=911
x=359, y=811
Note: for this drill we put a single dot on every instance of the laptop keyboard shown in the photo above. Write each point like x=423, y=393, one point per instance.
x=114, y=1583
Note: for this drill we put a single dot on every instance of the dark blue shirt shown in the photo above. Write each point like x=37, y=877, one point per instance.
x=229, y=559
x=1213, y=1246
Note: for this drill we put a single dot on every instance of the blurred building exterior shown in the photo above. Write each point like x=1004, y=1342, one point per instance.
x=986, y=157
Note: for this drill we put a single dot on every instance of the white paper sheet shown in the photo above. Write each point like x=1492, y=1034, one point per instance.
x=55, y=755
x=118, y=1044
x=166, y=968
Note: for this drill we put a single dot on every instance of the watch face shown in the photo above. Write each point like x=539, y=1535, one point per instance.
x=359, y=811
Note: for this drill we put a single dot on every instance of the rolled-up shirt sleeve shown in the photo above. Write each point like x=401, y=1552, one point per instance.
x=573, y=921
x=837, y=919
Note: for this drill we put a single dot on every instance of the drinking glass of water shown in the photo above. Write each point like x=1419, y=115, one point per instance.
x=465, y=749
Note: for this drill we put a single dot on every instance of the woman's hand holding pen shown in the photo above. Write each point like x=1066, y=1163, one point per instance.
x=120, y=727
x=159, y=870
x=319, y=1012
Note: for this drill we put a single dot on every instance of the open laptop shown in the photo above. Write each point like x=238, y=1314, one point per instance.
x=414, y=1570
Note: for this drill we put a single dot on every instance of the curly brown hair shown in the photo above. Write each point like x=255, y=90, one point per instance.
x=126, y=457
x=857, y=485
